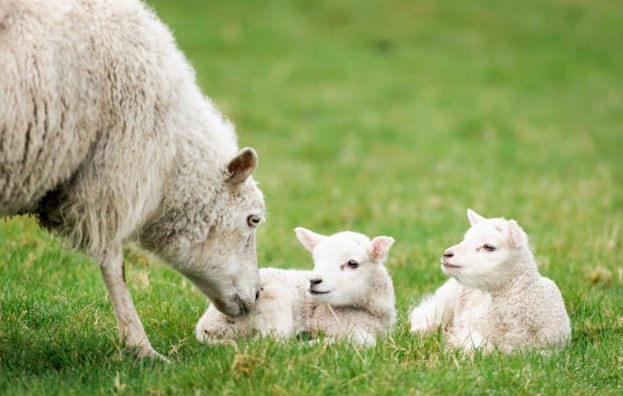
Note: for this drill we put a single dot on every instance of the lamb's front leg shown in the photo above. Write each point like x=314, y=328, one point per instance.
x=469, y=340
x=435, y=310
x=281, y=326
x=361, y=337
x=216, y=328
x=358, y=337
x=130, y=327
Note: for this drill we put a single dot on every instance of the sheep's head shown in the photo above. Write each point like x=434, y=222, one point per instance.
x=492, y=252
x=345, y=264
x=220, y=257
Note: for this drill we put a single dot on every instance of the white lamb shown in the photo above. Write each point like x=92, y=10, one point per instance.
x=497, y=299
x=348, y=296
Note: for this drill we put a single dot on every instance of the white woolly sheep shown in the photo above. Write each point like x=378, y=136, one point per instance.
x=497, y=299
x=348, y=296
x=105, y=137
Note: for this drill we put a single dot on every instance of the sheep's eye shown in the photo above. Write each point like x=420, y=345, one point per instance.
x=253, y=220
x=353, y=264
x=489, y=248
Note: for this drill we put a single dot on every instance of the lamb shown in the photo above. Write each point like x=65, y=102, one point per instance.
x=496, y=298
x=105, y=137
x=348, y=296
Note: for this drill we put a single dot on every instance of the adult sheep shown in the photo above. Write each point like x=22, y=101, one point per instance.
x=105, y=137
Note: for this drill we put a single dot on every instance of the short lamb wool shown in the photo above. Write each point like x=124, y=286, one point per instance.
x=348, y=296
x=496, y=298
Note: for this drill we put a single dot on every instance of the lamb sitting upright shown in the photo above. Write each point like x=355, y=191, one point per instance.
x=348, y=296
x=497, y=299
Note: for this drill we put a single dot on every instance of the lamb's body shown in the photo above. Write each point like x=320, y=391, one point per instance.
x=529, y=314
x=494, y=302
x=286, y=308
x=105, y=136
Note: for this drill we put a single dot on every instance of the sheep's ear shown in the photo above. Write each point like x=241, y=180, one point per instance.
x=516, y=236
x=379, y=248
x=308, y=239
x=474, y=218
x=241, y=166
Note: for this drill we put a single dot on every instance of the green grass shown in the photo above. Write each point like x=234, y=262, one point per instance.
x=386, y=118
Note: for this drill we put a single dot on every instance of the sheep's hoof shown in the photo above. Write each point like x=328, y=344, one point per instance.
x=150, y=353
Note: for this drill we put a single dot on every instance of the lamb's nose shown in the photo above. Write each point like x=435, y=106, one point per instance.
x=257, y=294
x=315, y=281
x=448, y=254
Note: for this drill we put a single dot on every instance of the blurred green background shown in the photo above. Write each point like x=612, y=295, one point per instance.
x=387, y=118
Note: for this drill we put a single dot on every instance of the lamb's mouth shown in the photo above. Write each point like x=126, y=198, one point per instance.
x=447, y=265
x=316, y=292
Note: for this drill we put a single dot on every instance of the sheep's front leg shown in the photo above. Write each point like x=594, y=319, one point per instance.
x=130, y=327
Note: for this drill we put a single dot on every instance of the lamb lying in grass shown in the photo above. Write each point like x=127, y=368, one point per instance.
x=348, y=296
x=497, y=298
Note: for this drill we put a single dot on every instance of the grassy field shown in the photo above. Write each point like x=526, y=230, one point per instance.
x=385, y=118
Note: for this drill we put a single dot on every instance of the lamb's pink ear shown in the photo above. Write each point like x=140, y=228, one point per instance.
x=308, y=239
x=516, y=236
x=379, y=248
x=474, y=218
x=241, y=166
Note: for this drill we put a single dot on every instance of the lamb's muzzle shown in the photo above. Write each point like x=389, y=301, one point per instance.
x=313, y=287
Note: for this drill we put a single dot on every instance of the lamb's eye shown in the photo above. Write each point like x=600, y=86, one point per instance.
x=353, y=264
x=253, y=220
x=488, y=247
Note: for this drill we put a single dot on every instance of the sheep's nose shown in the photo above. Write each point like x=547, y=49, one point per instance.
x=448, y=254
x=315, y=281
x=257, y=294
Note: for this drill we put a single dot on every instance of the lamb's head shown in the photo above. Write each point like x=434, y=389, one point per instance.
x=493, y=251
x=345, y=265
x=220, y=256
